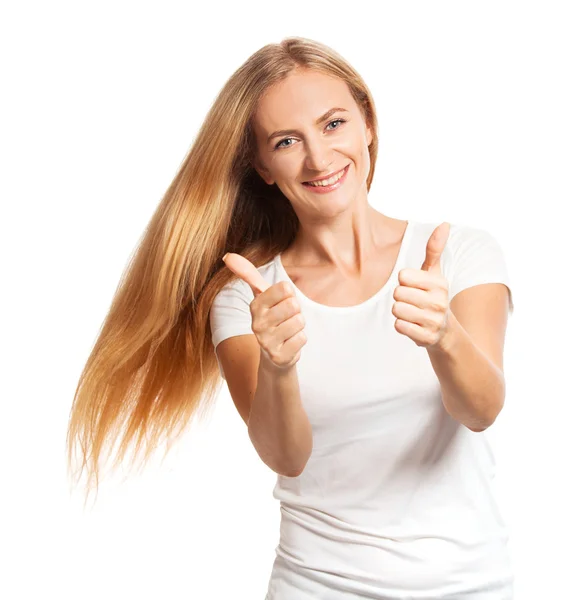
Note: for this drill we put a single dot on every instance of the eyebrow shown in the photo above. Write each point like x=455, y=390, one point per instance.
x=325, y=116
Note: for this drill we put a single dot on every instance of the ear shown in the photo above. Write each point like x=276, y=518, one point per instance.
x=369, y=136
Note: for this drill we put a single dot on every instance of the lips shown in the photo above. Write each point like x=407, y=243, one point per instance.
x=327, y=176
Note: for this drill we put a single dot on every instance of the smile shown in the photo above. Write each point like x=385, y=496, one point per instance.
x=327, y=185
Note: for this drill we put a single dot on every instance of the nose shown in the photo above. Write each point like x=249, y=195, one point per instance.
x=318, y=156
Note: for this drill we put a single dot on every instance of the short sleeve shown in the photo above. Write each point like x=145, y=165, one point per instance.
x=476, y=258
x=230, y=314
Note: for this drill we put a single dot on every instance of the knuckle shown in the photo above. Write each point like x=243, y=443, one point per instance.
x=436, y=322
x=258, y=326
x=293, y=303
x=438, y=304
x=254, y=307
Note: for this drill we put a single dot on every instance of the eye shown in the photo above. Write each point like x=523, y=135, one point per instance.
x=336, y=121
x=279, y=144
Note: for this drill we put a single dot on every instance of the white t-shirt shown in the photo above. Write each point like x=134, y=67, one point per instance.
x=396, y=500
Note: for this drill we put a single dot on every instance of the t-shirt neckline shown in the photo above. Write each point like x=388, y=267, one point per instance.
x=391, y=283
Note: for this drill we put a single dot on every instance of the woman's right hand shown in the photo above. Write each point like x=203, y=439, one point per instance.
x=277, y=321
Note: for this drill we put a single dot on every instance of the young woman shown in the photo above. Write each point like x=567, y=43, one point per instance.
x=364, y=352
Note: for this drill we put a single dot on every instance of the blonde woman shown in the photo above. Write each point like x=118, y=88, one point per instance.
x=364, y=352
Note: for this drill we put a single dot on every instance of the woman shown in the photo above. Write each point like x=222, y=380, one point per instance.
x=375, y=428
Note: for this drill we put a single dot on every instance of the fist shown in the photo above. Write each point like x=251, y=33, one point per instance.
x=277, y=321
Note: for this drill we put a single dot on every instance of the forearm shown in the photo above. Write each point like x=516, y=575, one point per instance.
x=472, y=386
x=278, y=425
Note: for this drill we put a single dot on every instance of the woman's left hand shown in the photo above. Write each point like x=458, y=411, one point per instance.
x=422, y=298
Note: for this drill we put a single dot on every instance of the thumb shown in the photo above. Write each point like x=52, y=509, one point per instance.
x=246, y=271
x=435, y=246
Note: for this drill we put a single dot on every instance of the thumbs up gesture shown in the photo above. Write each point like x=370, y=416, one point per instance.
x=422, y=299
x=277, y=321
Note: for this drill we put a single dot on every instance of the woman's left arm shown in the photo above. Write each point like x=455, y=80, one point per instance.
x=468, y=360
x=464, y=338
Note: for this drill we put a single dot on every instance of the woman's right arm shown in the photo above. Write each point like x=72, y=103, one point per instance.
x=264, y=383
x=278, y=425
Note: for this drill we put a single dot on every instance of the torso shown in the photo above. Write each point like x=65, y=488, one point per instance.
x=328, y=286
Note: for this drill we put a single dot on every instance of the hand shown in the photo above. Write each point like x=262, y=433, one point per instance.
x=422, y=299
x=277, y=321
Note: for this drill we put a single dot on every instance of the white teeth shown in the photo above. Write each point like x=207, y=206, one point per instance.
x=329, y=181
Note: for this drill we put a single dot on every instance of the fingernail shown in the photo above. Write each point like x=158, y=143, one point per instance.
x=225, y=256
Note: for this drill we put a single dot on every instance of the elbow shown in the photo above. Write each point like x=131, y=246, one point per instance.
x=294, y=467
x=292, y=472
x=481, y=426
x=488, y=421
x=479, y=429
x=286, y=468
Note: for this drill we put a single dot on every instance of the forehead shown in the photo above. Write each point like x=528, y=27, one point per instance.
x=302, y=96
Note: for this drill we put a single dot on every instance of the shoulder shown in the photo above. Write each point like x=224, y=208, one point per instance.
x=467, y=242
x=473, y=256
x=458, y=232
x=462, y=238
x=239, y=291
x=467, y=234
x=230, y=310
x=468, y=250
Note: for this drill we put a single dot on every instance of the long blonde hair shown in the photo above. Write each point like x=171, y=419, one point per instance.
x=153, y=368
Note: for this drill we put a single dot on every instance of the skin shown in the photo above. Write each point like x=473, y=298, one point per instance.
x=342, y=233
x=339, y=231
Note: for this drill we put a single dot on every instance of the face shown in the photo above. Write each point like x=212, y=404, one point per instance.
x=310, y=150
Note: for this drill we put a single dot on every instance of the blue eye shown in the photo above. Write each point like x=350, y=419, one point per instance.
x=279, y=144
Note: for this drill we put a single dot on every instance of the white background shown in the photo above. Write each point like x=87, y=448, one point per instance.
x=99, y=104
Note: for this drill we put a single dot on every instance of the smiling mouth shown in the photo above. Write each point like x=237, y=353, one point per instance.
x=333, y=175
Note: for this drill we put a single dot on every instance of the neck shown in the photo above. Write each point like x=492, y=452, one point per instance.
x=346, y=243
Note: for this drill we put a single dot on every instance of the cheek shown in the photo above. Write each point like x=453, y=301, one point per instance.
x=286, y=166
x=359, y=144
x=366, y=162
